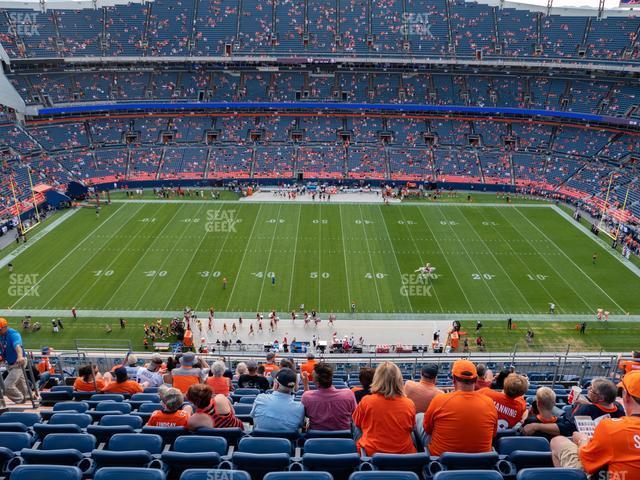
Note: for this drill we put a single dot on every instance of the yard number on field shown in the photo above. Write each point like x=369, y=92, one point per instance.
x=482, y=276
x=374, y=275
x=537, y=276
x=323, y=221
x=209, y=274
x=275, y=220
x=319, y=274
x=366, y=222
x=448, y=222
x=102, y=273
x=406, y=222
x=156, y=273
x=261, y=274
x=147, y=219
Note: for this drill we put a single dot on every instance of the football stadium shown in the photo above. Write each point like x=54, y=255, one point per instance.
x=319, y=240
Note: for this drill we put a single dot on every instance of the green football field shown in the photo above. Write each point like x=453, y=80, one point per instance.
x=163, y=256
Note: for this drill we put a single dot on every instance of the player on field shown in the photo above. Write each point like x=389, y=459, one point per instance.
x=594, y=257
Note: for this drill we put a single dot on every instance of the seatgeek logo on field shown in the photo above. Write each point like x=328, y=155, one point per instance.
x=23, y=285
x=221, y=221
x=416, y=24
x=26, y=24
x=415, y=286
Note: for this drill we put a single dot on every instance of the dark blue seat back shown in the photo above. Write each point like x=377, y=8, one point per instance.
x=506, y=445
x=330, y=446
x=298, y=476
x=265, y=445
x=232, y=435
x=83, y=442
x=119, y=420
x=80, y=419
x=384, y=475
x=111, y=406
x=197, y=444
x=207, y=474
x=101, y=397
x=550, y=474
x=123, y=442
x=149, y=407
x=46, y=472
x=129, y=473
x=15, y=441
x=469, y=461
x=468, y=475
x=26, y=418
x=80, y=407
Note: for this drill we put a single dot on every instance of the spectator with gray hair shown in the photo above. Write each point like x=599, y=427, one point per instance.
x=220, y=384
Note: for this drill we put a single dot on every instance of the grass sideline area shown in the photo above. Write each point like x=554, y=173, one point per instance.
x=549, y=336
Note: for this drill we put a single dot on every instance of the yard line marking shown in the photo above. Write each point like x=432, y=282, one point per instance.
x=420, y=255
x=111, y=262
x=630, y=265
x=244, y=255
x=344, y=255
x=498, y=262
x=70, y=252
x=213, y=266
x=519, y=257
x=373, y=270
x=293, y=265
x=426, y=222
x=394, y=253
x=37, y=236
x=166, y=258
x=266, y=268
x=474, y=263
x=140, y=257
x=570, y=259
x=193, y=255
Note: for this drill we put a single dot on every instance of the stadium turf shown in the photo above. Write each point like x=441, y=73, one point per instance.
x=161, y=257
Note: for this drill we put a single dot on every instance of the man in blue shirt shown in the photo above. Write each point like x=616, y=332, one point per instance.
x=11, y=350
x=278, y=411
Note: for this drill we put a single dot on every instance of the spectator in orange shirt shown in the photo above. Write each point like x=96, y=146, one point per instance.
x=270, y=366
x=510, y=403
x=171, y=414
x=462, y=421
x=615, y=446
x=309, y=364
x=44, y=368
x=421, y=393
x=386, y=417
x=217, y=381
x=122, y=383
x=89, y=380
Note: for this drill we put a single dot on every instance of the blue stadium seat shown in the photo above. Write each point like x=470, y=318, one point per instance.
x=79, y=407
x=111, y=406
x=531, y=444
x=328, y=434
x=206, y=474
x=26, y=418
x=132, y=421
x=249, y=399
x=62, y=449
x=129, y=450
x=412, y=462
x=194, y=452
x=298, y=476
x=292, y=436
x=80, y=419
x=259, y=456
x=50, y=398
x=103, y=433
x=241, y=392
x=44, y=429
x=138, y=399
x=149, y=407
x=231, y=435
x=468, y=475
x=168, y=434
x=468, y=461
x=12, y=443
x=124, y=473
x=338, y=456
x=551, y=474
x=46, y=472
x=96, y=398
x=384, y=475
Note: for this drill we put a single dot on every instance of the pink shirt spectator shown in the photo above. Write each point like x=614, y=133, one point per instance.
x=329, y=408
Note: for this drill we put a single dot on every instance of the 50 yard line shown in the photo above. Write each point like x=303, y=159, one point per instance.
x=293, y=265
x=266, y=268
x=344, y=255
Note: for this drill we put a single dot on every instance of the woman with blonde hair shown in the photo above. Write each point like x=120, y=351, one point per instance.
x=386, y=417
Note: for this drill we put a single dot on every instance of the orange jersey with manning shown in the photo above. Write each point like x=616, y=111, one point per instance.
x=165, y=419
x=510, y=410
x=386, y=424
x=615, y=445
x=464, y=422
